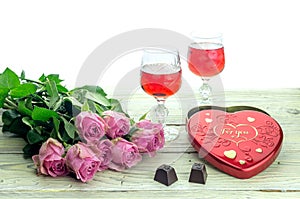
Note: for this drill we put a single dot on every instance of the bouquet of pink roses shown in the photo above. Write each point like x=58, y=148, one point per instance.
x=79, y=131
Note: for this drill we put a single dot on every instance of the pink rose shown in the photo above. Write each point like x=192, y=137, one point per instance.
x=103, y=151
x=149, y=138
x=82, y=161
x=91, y=126
x=49, y=161
x=124, y=155
x=118, y=124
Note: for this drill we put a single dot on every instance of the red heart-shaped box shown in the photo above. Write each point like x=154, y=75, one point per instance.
x=241, y=141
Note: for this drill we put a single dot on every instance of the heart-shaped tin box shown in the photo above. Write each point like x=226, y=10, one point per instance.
x=241, y=141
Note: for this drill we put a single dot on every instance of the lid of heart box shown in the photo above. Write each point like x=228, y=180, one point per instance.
x=241, y=141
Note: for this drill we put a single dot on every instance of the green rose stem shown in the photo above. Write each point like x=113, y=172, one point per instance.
x=10, y=104
x=67, y=146
x=41, y=99
x=6, y=106
x=32, y=81
x=65, y=115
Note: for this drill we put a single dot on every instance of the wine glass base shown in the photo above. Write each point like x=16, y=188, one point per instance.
x=205, y=101
x=170, y=133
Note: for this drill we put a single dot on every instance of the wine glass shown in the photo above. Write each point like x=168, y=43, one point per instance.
x=161, y=78
x=206, y=59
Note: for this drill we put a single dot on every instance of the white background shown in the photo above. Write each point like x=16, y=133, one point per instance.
x=261, y=37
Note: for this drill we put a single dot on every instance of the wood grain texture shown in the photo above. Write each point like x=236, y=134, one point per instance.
x=18, y=178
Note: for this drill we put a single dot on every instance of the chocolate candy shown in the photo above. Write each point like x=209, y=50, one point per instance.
x=198, y=173
x=165, y=174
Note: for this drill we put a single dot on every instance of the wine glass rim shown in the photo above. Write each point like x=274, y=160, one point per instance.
x=206, y=34
x=161, y=50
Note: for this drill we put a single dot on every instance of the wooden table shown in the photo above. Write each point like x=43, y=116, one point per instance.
x=281, y=180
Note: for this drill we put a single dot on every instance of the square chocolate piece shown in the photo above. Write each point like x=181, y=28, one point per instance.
x=198, y=173
x=165, y=174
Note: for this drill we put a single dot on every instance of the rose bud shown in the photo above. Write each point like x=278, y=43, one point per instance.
x=103, y=151
x=118, y=124
x=82, y=161
x=91, y=127
x=124, y=155
x=49, y=161
x=149, y=138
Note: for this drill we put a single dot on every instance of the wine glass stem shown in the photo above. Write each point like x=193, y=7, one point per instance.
x=161, y=111
x=205, y=89
x=205, y=80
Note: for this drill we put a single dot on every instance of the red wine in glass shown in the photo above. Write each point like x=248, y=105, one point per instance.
x=161, y=84
x=206, y=59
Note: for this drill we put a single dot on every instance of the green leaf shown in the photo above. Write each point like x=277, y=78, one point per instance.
x=92, y=106
x=143, y=116
x=132, y=122
x=38, y=99
x=93, y=93
x=58, y=105
x=3, y=95
x=5, y=128
x=23, y=90
x=131, y=132
x=42, y=78
x=22, y=76
x=43, y=114
x=70, y=128
x=62, y=89
x=52, y=91
x=56, y=123
x=9, y=116
x=39, y=127
x=9, y=79
x=116, y=105
x=28, y=103
x=96, y=97
x=85, y=106
x=99, y=108
x=72, y=106
x=94, y=89
x=18, y=127
x=34, y=137
x=28, y=122
x=23, y=109
x=74, y=101
x=31, y=149
x=55, y=78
